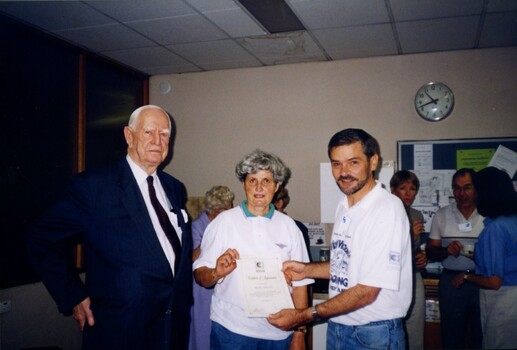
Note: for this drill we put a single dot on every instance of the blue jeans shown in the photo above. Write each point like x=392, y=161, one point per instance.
x=223, y=339
x=374, y=335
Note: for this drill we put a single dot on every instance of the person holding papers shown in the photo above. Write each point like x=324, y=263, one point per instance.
x=370, y=273
x=242, y=253
x=453, y=229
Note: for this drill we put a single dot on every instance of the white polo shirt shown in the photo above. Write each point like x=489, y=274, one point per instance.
x=274, y=236
x=449, y=225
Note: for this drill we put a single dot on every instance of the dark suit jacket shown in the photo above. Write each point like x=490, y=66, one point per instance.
x=136, y=301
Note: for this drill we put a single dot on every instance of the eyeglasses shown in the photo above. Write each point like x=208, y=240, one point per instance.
x=263, y=183
x=465, y=188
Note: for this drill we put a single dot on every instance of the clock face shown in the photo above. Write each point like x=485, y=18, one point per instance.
x=434, y=101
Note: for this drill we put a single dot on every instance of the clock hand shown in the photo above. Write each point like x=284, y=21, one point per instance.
x=432, y=100
x=428, y=103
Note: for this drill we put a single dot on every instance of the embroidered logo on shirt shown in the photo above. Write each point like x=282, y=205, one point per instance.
x=281, y=245
x=394, y=258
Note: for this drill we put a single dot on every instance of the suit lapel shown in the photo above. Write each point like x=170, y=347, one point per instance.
x=135, y=205
x=173, y=199
x=174, y=192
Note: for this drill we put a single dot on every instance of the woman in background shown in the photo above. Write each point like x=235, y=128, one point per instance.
x=404, y=184
x=495, y=254
x=217, y=200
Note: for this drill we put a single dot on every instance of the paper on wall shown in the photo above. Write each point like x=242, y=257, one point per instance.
x=505, y=159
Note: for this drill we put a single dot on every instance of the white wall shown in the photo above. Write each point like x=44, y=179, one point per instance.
x=293, y=110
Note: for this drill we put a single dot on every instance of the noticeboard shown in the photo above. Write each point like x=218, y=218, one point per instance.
x=435, y=161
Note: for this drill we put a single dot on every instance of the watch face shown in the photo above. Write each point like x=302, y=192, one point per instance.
x=434, y=101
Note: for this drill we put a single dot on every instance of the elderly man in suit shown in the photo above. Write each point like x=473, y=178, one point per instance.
x=131, y=220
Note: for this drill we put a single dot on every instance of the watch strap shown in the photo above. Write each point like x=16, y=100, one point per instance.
x=302, y=329
x=315, y=314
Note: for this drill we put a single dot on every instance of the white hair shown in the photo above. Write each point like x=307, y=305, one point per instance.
x=133, y=119
x=260, y=160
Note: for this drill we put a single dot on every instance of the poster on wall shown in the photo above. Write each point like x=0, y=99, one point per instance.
x=505, y=159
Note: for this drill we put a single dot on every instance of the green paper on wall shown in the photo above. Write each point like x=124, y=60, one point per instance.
x=476, y=159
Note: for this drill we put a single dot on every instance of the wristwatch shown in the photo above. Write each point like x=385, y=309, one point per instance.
x=302, y=329
x=466, y=275
x=315, y=316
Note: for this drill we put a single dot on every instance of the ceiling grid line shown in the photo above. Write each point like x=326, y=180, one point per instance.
x=182, y=36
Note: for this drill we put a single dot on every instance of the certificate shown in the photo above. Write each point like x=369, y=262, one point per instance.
x=264, y=286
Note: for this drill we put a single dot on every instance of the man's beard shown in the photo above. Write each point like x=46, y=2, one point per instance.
x=356, y=188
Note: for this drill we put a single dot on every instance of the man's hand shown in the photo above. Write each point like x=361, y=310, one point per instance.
x=458, y=280
x=82, y=313
x=293, y=271
x=287, y=319
x=454, y=248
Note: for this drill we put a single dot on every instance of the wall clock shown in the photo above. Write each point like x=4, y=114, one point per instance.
x=434, y=101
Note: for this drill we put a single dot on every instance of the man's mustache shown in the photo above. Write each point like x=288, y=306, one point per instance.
x=346, y=178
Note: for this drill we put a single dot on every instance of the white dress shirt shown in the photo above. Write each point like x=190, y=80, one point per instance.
x=141, y=179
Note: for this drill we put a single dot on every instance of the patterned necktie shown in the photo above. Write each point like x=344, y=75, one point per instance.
x=165, y=223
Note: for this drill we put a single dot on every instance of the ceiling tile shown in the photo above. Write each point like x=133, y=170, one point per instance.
x=235, y=22
x=213, y=51
x=148, y=57
x=184, y=29
x=170, y=69
x=173, y=36
x=231, y=64
x=135, y=10
x=407, y=10
x=338, y=13
x=501, y=5
x=55, y=15
x=223, y=54
x=499, y=29
x=282, y=48
x=438, y=34
x=106, y=38
x=360, y=41
x=212, y=5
